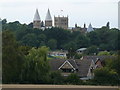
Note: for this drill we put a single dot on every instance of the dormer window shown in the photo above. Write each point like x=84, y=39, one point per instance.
x=67, y=67
x=91, y=69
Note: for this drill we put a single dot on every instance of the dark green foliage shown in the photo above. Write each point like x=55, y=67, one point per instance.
x=102, y=53
x=71, y=53
x=25, y=49
x=4, y=21
x=78, y=56
x=109, y=74
x=69, y=45
x=104, y=76
x=114, y=64
x=56, y=78
x=12, y=59
x=82, y=41
x=52, y=43
x=92, y=50
x=21, y=64
x=60, y=35
x=73, y=79
x=36, y=67
x=94, y=38
x=104, y=38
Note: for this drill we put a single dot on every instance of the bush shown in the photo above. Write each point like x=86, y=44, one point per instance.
x=104, y=76
x=73, y=79
x=56, y=78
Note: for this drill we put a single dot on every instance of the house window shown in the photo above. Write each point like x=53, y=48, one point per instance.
x=67, y=70
x=91, y=69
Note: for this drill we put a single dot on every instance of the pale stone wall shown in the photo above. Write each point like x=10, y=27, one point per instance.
x=61, y=22
x=48, y=23
x=37, y=24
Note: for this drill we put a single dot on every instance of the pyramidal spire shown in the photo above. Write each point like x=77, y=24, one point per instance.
x=90, y=28
x=48, y=16
x=36, y=16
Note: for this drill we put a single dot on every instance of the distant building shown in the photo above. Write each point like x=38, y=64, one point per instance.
x=90, y=28
x=81, y=29
x=37, y=20
x=48, y=20
x=81, y=50
x=83, y=67
x=59, y=53
x=61, y=22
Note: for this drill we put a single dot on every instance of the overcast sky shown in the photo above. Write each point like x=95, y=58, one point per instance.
x=97, y=12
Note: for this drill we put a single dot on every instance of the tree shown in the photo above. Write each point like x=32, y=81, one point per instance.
x=4, y=21
x=71, y=53
x=24, y=49
x=56, y=78
x=103, y=53
x=36, y=67
x=12, y=59
x=69, y=45
x=91, y=50
x=42, y=39
x=108, y=25
x=61, y=36
x=73, y=79
x=114, y=64
x=78, y=56
x=52, y=44
x=30, y=40
x=94, y=38
x=104, y=76
x=82, y=41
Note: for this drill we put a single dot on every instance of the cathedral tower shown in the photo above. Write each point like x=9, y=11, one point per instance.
x=61, y=22
x=48, y=20
x=36, y=20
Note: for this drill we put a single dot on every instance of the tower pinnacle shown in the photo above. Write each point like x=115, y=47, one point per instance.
x=36, y=16
x=48, y=20
x=36, y=20
x=48, y=16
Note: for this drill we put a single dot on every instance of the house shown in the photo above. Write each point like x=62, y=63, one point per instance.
x=98, y=60
x=58, y=53
x=66, y=67
x=81, y=50
x=82, y=67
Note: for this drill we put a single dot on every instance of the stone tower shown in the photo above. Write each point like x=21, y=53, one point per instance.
x=48, y=20
x=61, y=22
x=36, y=20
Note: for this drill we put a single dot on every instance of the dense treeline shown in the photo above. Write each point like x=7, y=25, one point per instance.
x=27, y=65
x=57, y=38
x=24, y=57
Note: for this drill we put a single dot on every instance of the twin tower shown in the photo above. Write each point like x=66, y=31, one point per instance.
x=61, y=22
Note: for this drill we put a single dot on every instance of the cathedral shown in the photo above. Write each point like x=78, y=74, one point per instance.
x=61, y=22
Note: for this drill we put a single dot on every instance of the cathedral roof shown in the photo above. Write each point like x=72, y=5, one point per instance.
x=90, y=28
x=48, y=16
x=36, y=16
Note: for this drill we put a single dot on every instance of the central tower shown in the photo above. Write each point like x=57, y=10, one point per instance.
x=61, y=22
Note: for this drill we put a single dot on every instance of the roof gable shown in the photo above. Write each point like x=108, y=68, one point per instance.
x=66, y=64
